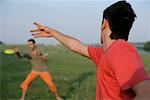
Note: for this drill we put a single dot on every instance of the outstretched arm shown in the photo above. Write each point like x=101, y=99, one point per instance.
x=19, y=55
x=69, y=42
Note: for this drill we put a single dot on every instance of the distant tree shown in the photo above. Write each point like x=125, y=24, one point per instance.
x=1, y=42
x=147, y=46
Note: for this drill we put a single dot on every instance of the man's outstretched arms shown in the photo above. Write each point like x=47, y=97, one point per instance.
x=69, y=42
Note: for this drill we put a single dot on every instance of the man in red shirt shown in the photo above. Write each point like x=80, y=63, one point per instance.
x=120, y=71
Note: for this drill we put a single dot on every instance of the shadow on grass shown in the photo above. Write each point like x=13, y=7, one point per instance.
x=75, y=83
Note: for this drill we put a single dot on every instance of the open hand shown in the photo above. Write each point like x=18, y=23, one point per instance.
x=41, y=31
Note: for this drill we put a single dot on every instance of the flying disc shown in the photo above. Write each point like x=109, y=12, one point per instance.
x=9, y=51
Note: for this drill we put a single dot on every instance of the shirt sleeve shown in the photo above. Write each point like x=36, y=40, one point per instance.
x=95, y=54
x=128, y=68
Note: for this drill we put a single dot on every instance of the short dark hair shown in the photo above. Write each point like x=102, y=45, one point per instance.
x=120, y=17
x=31, y=40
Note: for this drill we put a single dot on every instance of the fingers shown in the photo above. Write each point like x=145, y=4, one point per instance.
x=40, y=31
x=35, y=30
x=39, y=27
x=37, y=24
x=36, y=34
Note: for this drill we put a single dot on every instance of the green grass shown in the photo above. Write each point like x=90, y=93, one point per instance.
x=73, y=75
x=146, y=60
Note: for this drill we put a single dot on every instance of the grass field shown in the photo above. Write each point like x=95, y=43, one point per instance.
x=73, y=74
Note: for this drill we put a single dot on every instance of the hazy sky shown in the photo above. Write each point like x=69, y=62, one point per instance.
x=78, y=18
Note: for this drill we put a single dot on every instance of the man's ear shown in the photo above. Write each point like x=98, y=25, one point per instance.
x=105, y=24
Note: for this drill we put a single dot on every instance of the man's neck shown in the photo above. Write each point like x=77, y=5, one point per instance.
x=107, y=44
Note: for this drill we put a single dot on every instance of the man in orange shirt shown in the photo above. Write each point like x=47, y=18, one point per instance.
x=120, y=71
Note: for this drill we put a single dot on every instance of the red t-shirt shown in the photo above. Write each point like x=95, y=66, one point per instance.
x=118, y=70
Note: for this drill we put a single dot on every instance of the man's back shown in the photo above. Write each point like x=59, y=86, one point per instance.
x=118, y=70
